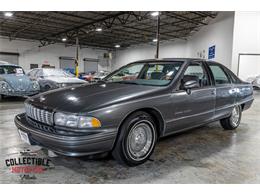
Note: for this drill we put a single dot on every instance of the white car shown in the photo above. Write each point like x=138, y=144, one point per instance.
x=255, y=81
x=50, y=78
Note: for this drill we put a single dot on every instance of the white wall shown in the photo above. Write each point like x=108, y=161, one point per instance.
x=30, y=53
x=246, y=36
x=219, y=33
x=167, y=50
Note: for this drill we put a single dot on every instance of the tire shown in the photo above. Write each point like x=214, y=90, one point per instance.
x=1, y=97
x=46, y=88
x=233, y=121
x=136, y=140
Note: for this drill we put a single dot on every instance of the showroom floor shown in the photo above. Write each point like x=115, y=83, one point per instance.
x=204, y=155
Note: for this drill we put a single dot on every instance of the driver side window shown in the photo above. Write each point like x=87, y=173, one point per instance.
x=197, y=70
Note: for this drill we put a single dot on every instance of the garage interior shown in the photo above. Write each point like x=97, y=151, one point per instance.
x=109, y=40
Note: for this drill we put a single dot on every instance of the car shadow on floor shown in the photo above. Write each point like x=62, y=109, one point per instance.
x=171, y=153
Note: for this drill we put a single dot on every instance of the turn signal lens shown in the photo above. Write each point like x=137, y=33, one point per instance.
x=95, y=123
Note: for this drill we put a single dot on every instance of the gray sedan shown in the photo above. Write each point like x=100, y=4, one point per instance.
x=127, y=114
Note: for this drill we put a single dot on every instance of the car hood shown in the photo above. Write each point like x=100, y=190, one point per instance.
x=86, y=98
x=18, y=82
x=65, y=80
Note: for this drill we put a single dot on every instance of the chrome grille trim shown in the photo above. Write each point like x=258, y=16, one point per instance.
x=37, y=114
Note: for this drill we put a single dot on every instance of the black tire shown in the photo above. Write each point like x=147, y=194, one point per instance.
x=228, y=123
x=1, y=97
x=46, y=88
x=122, y=150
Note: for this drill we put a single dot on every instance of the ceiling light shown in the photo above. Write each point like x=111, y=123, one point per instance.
x=117, y=46
x=154, y=40
x=99, y=29
x=154, y=14
x=64, y=39
x=8, y=14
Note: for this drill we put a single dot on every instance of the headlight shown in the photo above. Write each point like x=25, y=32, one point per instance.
x=76, y=121
x=4, y=86
x=35, y=85
x=62, y=85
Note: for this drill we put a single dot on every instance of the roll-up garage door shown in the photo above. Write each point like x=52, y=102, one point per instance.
x=67, y=63
x=249, y=65
x=90, y=64
x=12, y=58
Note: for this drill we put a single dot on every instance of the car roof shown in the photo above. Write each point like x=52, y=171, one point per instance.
x=169, y=59
x=9, y=65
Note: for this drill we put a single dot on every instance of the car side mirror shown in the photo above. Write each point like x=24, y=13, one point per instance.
x=191, y=84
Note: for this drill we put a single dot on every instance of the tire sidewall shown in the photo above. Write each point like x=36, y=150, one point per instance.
x=126, y=128
x=240, y=115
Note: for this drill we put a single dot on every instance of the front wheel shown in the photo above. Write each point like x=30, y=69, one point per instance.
x=233, y=121
x=136, y=141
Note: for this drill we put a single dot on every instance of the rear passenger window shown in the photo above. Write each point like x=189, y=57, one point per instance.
x=219, y=75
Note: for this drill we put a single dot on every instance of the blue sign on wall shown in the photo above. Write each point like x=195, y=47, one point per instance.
x=212, y=51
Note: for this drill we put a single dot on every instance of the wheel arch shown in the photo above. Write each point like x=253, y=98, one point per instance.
x=156, y=115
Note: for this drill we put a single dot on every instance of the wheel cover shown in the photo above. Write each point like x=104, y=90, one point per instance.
x=235, y=115
x=140, y=140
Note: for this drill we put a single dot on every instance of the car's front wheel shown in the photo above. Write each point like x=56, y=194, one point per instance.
x=233, y=121
x=136, y=141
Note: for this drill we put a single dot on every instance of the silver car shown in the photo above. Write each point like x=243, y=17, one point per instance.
x=50, y=78
x=13, y=82
x=255, y=81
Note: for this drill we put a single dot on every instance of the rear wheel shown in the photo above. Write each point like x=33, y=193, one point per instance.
x=136, y=139
x=233, y=121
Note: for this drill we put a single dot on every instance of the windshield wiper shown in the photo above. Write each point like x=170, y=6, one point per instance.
x=127, y=82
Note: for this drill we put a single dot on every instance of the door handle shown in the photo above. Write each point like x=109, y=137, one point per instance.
x=213, y=92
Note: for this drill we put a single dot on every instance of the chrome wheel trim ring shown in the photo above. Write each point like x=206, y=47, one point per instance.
x=140, y=140
x=235, y=115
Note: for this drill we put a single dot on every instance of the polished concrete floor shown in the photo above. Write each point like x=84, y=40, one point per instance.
x=203, y=155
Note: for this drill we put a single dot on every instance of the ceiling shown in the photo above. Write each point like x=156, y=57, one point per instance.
x=118, y=28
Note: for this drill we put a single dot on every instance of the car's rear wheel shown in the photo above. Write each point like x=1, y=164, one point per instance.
x=136, y=141
x=233, y=121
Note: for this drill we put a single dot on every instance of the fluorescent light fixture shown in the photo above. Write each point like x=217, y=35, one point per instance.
x=64, y=39
x=9, y=14
x=117, y=46
x=154, y=40
x=99, y=29
x=154, y=14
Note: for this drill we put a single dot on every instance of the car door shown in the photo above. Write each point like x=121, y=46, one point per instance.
x=194, y=108
x=225, y=92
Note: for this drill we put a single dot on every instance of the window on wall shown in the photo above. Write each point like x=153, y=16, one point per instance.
x=219, y=75
x=32, y=66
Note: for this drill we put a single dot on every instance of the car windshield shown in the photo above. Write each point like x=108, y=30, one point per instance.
x=154, y=73
x=56, y=73
x=11, y=70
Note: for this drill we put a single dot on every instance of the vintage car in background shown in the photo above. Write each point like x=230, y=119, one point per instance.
x=87, y=76
x=99, y=75
x=128, y=116
x=255, y=81
x=50, y=78
x=14, y=82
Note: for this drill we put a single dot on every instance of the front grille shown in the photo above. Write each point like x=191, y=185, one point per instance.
x=39, y=114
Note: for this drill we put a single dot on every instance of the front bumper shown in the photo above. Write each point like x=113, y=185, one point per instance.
x=100, y=142
x=19, y=93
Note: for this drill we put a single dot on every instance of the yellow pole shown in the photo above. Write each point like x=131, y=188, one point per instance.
x=77, y=57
